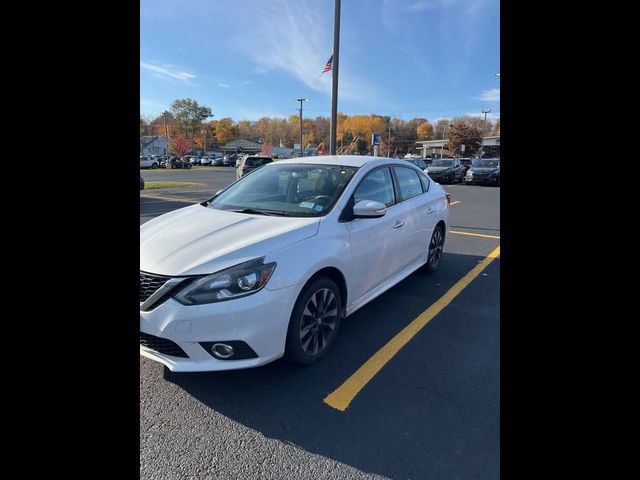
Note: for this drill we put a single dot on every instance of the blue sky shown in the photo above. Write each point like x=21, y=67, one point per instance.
x=251, y=58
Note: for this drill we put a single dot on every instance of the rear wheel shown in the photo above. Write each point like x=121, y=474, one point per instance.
x=154, y=166
x=435, y=249
x=314, y=323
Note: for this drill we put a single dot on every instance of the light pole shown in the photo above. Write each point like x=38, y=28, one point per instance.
x=301, y=100
x=334, y=78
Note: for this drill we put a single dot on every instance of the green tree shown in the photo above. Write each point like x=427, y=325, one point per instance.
x=189, y=114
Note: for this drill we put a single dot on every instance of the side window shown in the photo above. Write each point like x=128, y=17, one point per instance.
x=408, y=182
x=376, y=186
x=425, y=182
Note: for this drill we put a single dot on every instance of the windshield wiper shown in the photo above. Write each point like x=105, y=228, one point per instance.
x=261, y=212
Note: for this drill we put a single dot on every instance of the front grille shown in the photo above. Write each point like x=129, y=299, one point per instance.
x=149, y=284
x=161, y=345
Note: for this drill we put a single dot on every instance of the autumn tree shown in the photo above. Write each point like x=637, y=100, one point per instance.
x=441, y=127
x=226, y=131
x=180, y=144
x=461, y=133
x=266, y=149
x=424, y=131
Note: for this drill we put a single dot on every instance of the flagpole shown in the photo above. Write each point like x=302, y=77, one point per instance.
x=334, y=79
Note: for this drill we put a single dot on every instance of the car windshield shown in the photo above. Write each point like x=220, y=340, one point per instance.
x=289, y=189
x=442, y=163
x=488, y=163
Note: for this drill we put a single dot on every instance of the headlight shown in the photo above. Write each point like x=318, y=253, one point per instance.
x=234, y=282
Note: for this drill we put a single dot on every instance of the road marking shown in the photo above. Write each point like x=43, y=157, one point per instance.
x=169, y=199
x=345, y=393
x=454, y=203
x=474, y=234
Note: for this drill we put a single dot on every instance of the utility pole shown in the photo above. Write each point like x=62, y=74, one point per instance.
x=484, y=126
x=166, y=132
x=301, y=100
x=334, y=79
x=389, y=141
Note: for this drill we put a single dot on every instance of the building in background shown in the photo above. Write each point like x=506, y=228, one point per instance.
x=153, y=145
x=430, y=148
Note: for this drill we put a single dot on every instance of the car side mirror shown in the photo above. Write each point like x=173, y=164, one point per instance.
x=369, y=209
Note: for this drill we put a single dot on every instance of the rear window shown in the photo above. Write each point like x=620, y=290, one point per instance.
x=256, y=162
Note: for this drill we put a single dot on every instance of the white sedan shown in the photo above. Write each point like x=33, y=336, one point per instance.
x=270, y=265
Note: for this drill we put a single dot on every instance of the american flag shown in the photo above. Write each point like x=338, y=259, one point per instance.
x=327, y=67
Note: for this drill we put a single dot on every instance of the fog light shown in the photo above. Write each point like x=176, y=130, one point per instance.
x=221, y=350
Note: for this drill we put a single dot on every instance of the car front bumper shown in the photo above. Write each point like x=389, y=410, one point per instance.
x=260, y=320
x=493, y=180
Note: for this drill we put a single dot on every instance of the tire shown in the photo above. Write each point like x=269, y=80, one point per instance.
x=436, y=245
x=154, y=166
x=305, y=348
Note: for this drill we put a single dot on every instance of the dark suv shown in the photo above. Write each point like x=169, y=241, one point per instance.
x=176, y=162
x=446, y=170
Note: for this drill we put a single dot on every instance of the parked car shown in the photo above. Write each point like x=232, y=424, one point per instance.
x=228, y=160
x=418, y=162
x=206, y=160
x=248, y=164
x=271, y=265
x=445, y=170
x=486, y=171
x=178, y=163
x=141, y=183
x=149, y=162
x=216, y=161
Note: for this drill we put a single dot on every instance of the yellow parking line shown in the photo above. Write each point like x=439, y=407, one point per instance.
x=345, y=393
x=474, y=234
x=454, y=203
x=170, y=199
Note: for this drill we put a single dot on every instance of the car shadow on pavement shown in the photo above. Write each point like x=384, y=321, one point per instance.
x=431, y=412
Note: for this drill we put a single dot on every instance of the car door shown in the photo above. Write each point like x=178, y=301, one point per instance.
x=375, y=242
x=419, y=206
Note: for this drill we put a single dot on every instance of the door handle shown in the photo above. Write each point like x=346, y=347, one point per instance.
x=399, y=224
x=431, y=210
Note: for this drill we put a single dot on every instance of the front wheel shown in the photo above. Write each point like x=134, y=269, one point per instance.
x=314, y=322
x=154, y=166
x=435, y=249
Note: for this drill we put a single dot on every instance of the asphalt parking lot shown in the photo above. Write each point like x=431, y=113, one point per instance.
x=432, y=411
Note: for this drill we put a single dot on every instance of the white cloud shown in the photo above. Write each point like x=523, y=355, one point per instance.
x=167, y=71
x=422, y=6
x=492, y=95
x=246, y=82
x=224, y=85
x=295, y=37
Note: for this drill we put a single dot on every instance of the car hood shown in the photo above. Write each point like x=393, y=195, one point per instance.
x=438, y=169
x=197, y=240
x=484, y=170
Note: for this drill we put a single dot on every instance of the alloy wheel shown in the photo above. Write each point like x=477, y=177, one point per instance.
x=318, y=321
x=435, y=248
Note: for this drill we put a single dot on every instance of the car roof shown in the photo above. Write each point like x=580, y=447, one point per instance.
x=344, y=160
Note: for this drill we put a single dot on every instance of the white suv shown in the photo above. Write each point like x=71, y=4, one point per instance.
x=149, y=162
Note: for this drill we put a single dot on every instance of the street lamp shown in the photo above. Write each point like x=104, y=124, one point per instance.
x=484, y=127
x=301, y=100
